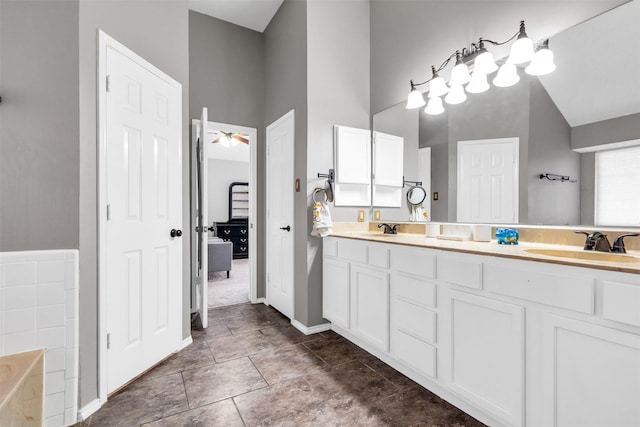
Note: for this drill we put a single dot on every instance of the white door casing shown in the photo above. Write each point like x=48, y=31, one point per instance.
x=210, y=134
x=140, y=202
x=488, y=181
x=203, y=272
x=279, y=195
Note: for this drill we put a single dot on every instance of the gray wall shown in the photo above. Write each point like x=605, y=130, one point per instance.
x=286, y=89
x=39, y=178
x=625, y=128
x=227, y=76
x=157, y=30
x=409, y=36
x=221, y=174
x=338, y=94
x=551, y=202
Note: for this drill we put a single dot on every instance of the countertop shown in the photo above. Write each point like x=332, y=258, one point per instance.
x=494, y=249
x=14, y=370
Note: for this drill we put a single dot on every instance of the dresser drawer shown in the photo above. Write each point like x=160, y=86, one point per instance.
x=621, y=302
x=421, y=262
x=413, y=289
x=555, y=289
x=231, y=231
x=460, y=270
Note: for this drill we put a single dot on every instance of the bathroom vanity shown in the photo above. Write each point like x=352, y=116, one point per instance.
x=512, y=337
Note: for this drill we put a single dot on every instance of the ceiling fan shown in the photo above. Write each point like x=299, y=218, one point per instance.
x=230, y=139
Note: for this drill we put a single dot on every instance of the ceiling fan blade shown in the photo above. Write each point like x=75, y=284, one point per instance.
x=242, y=139
x=216, y=140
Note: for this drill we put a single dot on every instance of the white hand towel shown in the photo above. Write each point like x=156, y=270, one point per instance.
x=321, y=220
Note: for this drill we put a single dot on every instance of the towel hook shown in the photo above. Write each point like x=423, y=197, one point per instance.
x=316, y=192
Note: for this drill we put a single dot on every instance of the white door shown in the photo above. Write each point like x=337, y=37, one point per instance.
x=280, y=186
x=488, y=181
x=369, y=305
x=143, y=252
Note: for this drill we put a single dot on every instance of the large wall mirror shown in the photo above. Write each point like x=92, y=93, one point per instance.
x=590, y=103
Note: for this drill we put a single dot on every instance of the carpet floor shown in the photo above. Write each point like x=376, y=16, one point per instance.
x=231, y=291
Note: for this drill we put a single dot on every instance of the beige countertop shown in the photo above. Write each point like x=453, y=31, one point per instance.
x=15, y=369
x=494, y=249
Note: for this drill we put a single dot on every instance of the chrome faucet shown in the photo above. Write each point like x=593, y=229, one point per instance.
x=389, y=229
x=618, y=243
x=596, y=241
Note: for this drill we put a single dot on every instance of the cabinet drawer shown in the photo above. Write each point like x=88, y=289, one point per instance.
x=412, y=289
x=414, y=352
x=379, y=255
x=460, y=270
x=413, y=320
x=564, y=291
x=621, y=302
x=231, y=231
x=330, y=247
x=421, y=262
x=352, y=250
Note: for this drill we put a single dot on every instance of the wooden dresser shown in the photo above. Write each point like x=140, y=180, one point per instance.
x=236, y=230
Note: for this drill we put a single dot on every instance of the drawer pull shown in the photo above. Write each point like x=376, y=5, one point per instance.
x=243, y=231
x=226, y=231
x=243, y=248
x=243, y=240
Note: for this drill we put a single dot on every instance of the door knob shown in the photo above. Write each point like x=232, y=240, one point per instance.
x=287, y=228
x=175, y=233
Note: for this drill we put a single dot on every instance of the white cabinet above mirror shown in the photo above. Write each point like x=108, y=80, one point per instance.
x=388, y=169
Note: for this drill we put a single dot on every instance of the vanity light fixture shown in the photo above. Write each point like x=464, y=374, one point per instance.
x=540, y=62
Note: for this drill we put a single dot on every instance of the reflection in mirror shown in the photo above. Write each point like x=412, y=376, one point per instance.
x=560, y=119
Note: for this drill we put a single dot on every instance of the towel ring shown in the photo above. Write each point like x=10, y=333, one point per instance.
x=315, y=193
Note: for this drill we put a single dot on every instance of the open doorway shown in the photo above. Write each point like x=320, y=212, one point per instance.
x=228, y=208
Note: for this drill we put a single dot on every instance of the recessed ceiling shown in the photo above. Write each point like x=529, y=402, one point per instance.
x=252, y=14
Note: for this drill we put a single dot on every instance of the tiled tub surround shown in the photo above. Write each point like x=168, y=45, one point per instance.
x=39, y=309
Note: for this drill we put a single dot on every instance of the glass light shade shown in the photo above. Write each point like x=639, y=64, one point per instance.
x=485, y=63
x=478, y=83
x=459, y=75
x=434, y=107
x=437, y=87
x=507, y=76
x=456, y=95
x=415, y=99
x=234, y=141
x=521, y=51
x=225, y=141
x=541, y=64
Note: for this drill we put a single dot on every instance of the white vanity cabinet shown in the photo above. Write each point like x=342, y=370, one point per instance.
x=512, y=342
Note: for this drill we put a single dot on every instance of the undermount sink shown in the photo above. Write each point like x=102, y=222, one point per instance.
x=585, y=255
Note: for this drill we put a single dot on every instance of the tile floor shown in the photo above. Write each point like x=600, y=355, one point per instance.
x=252, y=368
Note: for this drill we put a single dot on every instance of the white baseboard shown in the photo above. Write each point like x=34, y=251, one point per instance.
x=308, y=330
x=186, y=342
x=87, y=410
x=260, y=301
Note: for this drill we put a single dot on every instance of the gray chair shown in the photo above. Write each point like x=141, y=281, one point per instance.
x=220, y=255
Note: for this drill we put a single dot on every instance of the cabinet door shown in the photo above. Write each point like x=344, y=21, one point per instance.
x=483, y=353
x=335, y=291
x=370, y=306
x=591, y=374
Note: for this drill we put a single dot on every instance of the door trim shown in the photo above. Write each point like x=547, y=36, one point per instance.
x=105, y=41
x=253, y=214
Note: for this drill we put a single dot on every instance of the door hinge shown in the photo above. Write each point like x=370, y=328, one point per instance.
x=108, y=341
x=108, y=83
x=108, y=212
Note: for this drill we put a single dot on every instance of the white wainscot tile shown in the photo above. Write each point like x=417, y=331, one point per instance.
x=71, y=356
x=71, y=303
x=70, y=393
x=13, y=257
x=50, y=293
x=16, y=297
x=23, y=273
x=71, y=274
x=72, y=334
x=22, y=320
x=70, y=416
x=53, y=404
x=55, y=360
x=51, y=337
x=55, y=421
x=53, y=255
x=15, y=343
x=51, y=271
x=50, y=316
x=54, y=382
